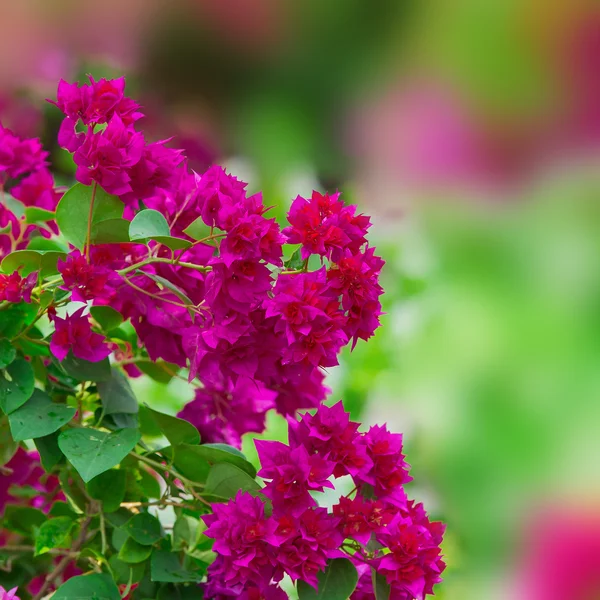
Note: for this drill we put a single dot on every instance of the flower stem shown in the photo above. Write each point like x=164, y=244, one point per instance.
x=167, y=261
x=89, y=224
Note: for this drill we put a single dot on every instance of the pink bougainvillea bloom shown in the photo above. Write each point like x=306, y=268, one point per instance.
x=24, y=469
x=156, y=170
x=244, y=540
x=218, y=192
x=75, y=333
x=224, y=413
x=8, y=595
x=414, y=564
x=38, y=190
x=14, y=288
x=20, y=156
x=106, y=157
x=85, y=280
x=324, y=226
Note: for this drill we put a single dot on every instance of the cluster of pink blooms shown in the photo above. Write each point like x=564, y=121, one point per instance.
x=375, y=526
x=21, y=473
x=257, y=337
x=23, y=169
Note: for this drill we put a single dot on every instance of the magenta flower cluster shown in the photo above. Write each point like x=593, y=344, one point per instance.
x=24, y=173
x=256, y=334
x=375, y=526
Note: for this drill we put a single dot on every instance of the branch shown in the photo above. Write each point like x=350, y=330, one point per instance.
x=64, y=562
x=167, y=261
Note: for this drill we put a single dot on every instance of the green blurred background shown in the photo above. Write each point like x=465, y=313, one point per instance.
x=470, y=130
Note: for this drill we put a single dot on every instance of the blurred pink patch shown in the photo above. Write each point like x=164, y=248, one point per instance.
x=562, y=558
x=421, y=135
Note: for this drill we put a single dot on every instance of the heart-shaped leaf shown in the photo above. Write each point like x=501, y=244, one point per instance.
x=134, y=552
x=380, y=586
x=107, y=317
x=194, y=462
x=337, y=582
x=54, y=533
x=226, y=480
x=85, y=370
x=92, y=452
x=38, y=417
x=7, y=353
x=24, y=261
x=177, y=431
x=144, y=529
x=110, y=231
x=116, y=395
x=16, y=385
x=50, y=453
x=33, y=214
x=148, y=224
x=73, y=210
x=109, y=488
x=165, y=567
x=89, y=587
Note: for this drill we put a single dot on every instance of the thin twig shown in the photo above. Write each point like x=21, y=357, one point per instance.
x=64, y=562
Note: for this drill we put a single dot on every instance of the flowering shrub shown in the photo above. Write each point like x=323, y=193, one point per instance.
x=144, y=266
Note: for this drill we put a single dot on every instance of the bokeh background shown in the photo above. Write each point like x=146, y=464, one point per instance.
x=470, y=130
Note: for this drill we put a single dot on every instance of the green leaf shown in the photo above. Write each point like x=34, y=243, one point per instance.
x=28, y=261
x=14, y=316
x=49, y=451
x=194, y=461
x=44, y=244
x=225, y=480
x=294, y=262
x=62, y=509
x=7, y=353
x=119, y=537
x=109, y=488
x=165, y=567
x=15, y=206
x=49, y=262
x=116, y=394
x=16, y=385
x=147, y=224
x=24, y=261
x=84, y=370
x=22, y=519
x=185, y=532
x=8, y=446
x=170, y=286
x=38, y=417
x=160, y=370
x=177, y=431
x=380, y=586
x=337, y=582
x=125, y=573
x=198, y=230
x=149, y=484
x=23, y=491
x=33, y=214
x=174, y=243
x=88, y=587
x=106, y=316
x=54, y=533
x=92, y=452
x=111, y=231
x=73, y=210
x=144, y=529
x=134, y=552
